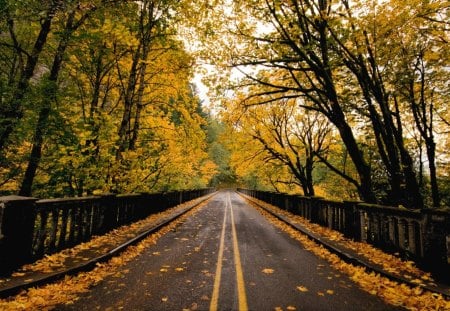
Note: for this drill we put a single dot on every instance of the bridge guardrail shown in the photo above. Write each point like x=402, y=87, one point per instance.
x=419, y=235
x=32, y=228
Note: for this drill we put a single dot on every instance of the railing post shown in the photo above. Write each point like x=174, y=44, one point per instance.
x=330, y=213
x=363, y=226
x=437, y=245
x=352, y=220
x=287, y=203
x=16, y=231
x=411, y=237
x=110, y=212
x=316, y=209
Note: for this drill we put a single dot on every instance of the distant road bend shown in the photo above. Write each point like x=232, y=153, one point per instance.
x=227, y=257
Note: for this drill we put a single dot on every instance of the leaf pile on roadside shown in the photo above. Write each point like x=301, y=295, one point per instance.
x=67, y=290
x=389, y=262
x=390, y=291
x=54, y=262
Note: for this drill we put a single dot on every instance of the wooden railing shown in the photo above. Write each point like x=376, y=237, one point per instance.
x=419, y=235
x=31, y=228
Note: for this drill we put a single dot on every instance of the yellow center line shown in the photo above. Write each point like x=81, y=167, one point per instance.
x=242, y=297
x=215, y=294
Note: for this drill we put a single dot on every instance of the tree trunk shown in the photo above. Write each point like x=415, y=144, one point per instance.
x=140, y=99
x=124, y=129
x=128, y=135
x=14, y=111
x=431, y=153
x=51, y=89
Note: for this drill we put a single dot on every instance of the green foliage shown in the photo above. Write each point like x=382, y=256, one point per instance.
x=219, y=154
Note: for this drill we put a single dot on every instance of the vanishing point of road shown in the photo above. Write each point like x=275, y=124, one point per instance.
x=227, y=256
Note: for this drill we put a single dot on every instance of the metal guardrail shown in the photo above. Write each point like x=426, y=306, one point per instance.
x=419, y=235
x=32, y=228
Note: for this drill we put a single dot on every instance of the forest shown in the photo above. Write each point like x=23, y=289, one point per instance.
x=342, y=99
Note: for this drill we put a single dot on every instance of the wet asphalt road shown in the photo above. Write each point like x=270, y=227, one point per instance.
x=227, y=257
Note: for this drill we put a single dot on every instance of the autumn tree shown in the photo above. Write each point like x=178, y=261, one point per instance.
x=109, y=106
x=297, y=46
x=50, y=89
x=289, y=136
x=342, y=58
x=418, y=48
x=25, y=59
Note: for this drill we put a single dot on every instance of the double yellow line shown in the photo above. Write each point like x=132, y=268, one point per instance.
x=242, y=296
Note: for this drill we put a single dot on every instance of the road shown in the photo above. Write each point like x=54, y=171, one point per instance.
x=227, y=257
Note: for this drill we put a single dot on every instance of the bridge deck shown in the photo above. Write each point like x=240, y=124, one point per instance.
x=227, y=257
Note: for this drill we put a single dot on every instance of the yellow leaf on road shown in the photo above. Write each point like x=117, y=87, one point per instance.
x=302, y=289
x=18, y=274
x=267, y=271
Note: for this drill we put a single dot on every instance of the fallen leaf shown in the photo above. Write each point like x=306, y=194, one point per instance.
x=330, y=292
x=291, y=308
x=179, y=269
x=164, y=299
x=302, y=289
x=18, y=274
x=392, y=292
x=267, y=271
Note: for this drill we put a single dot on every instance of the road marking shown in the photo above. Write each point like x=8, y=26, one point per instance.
x=242, y=297
x=215, y=294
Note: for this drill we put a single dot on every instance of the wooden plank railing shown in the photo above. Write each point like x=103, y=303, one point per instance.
x=31, y=228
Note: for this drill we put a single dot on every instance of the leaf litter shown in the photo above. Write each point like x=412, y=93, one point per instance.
x=66, y=291
x=390, y=291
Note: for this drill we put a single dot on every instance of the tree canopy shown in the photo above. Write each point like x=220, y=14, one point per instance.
x=378, y=72
x=345, y=99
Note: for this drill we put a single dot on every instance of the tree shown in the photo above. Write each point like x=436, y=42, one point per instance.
x=219, y=153
x=341, y=57
x=50, y=89
x=22, y=70
x=297, y=52
x=421, y=57
x=291, y=136
x=102, y=63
